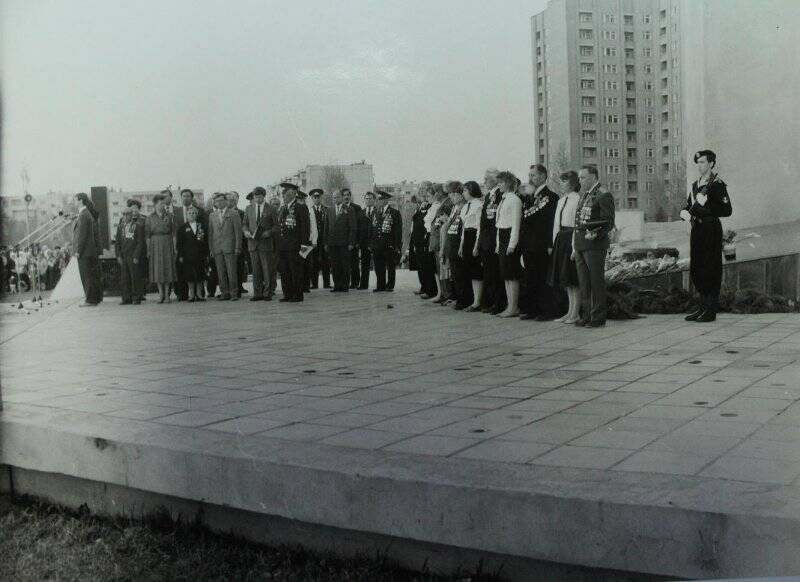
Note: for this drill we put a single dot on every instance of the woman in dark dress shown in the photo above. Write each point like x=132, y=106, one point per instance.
x=192, y=252
x=705, y=205
x=471, y=216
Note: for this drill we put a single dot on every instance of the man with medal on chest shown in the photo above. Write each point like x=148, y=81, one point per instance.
x=295, y=233
x=318, y=259
x=131, y=249
x=260, y=228
x=536, y=243
x=705, y=205
x=594, y=220
x=386, y=241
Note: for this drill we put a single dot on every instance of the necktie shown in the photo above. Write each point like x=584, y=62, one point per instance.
x=258, y=214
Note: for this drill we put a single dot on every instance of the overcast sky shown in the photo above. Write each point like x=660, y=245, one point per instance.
x=231, y=94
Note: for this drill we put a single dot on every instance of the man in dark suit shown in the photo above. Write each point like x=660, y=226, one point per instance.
x=318, y=259
x=87, y=248
x=365, y=238
x=594, y=221
x=180, y=216
x=260, y=227
x=536, y=244
x=355, y=263
x=386, y=241
x=243, y=261
x=131, y=249
x=295, y=233
x=341, y=233
x=225, y=245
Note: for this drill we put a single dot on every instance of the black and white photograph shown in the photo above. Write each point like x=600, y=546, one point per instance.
x=419, y=291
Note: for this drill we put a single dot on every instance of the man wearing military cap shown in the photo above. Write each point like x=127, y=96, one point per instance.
x=131, y=249
x=295, y=232
x=318, y=259
x=260, y=228
x=386, y=241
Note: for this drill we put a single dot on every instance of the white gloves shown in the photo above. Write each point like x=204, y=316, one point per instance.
x=685, y=215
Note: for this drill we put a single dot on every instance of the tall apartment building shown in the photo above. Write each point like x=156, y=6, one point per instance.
x=359, y=177
x=607, y=86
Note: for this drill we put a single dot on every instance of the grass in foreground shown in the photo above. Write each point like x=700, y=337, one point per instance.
x=41, y=542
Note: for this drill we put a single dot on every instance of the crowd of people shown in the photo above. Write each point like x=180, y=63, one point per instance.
x=505, y=248
x=32, y=268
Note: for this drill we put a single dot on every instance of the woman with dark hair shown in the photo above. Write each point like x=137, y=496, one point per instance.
x=493, y=297
x=442, y=212
x=160, y=235
x=472, y=271
x=705, y=205
x=509, y=217
x=451, y=262
x=86, y=243
x=562, y=268
x=417, y=243
x=192, y=246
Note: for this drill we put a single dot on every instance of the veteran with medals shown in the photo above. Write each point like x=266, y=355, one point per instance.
x=386, y=241
x=295, y=236
x=131, y=249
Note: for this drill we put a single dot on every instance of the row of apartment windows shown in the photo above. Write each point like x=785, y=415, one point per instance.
x=588, y=34
x=631, y=153
x=610, y=51
x=611, y=18
x=591, y=135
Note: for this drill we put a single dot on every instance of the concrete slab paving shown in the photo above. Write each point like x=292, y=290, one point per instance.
x=654, y=401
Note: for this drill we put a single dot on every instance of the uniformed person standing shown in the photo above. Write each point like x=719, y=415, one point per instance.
x=319, y=256
x=386, y=241
x=295, y=232
x=705, y=205
x=131, y=248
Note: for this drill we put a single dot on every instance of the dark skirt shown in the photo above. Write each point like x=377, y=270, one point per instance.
x=705, y=252
x=510, y=266
x=562, y=268
x=472, y=264
x=192, y=270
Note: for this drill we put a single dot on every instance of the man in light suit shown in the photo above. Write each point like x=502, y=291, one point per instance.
x=225, y=246
x=260, y=228
x=86, y=243
x=340, y=240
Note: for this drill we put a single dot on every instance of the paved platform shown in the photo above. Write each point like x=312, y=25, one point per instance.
x=652, y=445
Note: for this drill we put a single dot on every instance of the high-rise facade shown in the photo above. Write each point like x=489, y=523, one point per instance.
x=606, y=91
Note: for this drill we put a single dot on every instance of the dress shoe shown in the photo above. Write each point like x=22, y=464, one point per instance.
x=137, y=302
x=596, y=323
x=460, y=307
x=234, y=298
x=582, y=323
x=284, y=299
x=528, y=316
x=378, y=290
x=472, y=308
x=87, y=304
x=694, y=314
x=417, y=292
x=268, y=298
x=706, y=316
x=544, y=318
x=257, y=298
x=363, y=287
x=225, y=297
x=425, y=296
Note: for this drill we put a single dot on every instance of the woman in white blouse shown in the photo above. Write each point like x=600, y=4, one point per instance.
x=451, y=238
x=509, y=216
x=471, y=217
x=562, y=268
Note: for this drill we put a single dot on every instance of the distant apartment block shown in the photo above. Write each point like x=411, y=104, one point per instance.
x=359, y=177
x=607, y=91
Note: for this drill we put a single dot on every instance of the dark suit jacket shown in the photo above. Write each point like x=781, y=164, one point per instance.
x=86, y=236
x=226, y=236
x=321, y=214
x=342, y=229
x=387, y=230
x=269, y=227
x=295, y=226
x=130, y=245
x=538, y=215
x=595, y=213
x=718, y=204
x=192, y=247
